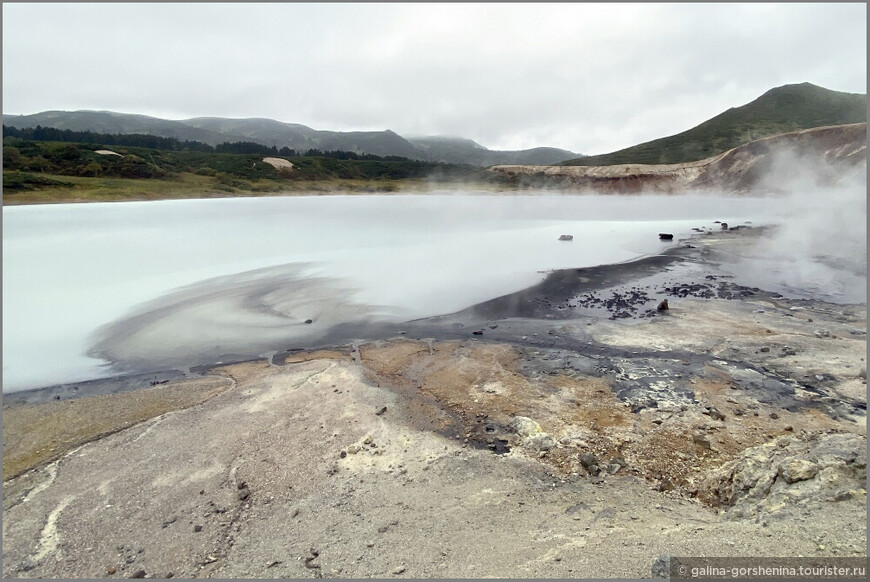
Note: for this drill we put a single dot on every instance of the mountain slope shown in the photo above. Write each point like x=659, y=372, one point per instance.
x=260, y=130
x=269, y=132
x=465, y=151
x=821, y=155
x=780, y=110
x=302, y=138
x=115, y=123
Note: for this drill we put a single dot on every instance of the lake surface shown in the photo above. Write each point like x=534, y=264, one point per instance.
x=183, y=278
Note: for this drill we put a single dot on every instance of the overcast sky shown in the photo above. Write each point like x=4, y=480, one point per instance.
x=591, y=78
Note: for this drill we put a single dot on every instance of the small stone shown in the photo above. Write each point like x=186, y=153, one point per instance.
x=798, y=470
x=381, y=411
x=197, y=528
x=242, y=485
x=843, y=496
x=764, y=350
x=367, y=439
x=138, y=574
x=295, y=512
x=714, y=413
x=701, y=441
x=111, y=570
x=244, y=494
x=399, y=570
x=663, y=306
x=588, y=460
x=524, y=426
x=309, y=321
x=342, y=454
x=541, y=442
x=774, y=415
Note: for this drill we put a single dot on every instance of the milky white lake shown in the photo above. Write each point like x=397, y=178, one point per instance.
x=70, y=270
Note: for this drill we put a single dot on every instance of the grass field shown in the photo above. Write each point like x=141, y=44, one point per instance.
x=187, y=185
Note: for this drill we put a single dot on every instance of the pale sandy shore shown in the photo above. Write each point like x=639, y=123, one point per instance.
x=546, y=445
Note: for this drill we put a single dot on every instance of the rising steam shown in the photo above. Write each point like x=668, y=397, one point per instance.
x=819, y=249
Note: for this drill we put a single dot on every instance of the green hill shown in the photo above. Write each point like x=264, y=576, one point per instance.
x=115, y=123
x=780, y=110
x=269, y=132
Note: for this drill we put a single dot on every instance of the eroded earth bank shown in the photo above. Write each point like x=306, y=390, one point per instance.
x=569, y=430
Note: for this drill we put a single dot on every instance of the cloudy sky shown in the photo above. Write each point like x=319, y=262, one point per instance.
x=590, y=78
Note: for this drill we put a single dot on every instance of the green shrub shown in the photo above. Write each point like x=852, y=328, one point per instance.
x=19, y=181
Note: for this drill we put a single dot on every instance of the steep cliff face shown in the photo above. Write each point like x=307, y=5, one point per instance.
x=827, y=154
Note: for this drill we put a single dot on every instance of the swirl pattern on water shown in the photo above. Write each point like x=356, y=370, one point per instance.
x=243, y=313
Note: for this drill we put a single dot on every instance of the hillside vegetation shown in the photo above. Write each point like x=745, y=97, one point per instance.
x=271, y=133
x=38, y=171
x=780, y=110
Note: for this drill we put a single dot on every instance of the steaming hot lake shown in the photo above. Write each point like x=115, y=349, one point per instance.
x=174, y=281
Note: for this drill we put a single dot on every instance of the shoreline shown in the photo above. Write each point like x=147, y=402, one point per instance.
x=537, y=302
x=146, y=191
x=578, y=434
x=557, y=283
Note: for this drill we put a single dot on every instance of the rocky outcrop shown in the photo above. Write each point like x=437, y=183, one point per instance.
x=280, y=164
x=789, y=472
x=832, y=152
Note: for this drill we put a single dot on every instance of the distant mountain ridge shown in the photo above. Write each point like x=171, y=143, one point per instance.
x=781, y=110
x=465, y=151
x=269, y=132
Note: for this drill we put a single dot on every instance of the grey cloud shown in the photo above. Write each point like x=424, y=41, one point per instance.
x=587, y=77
